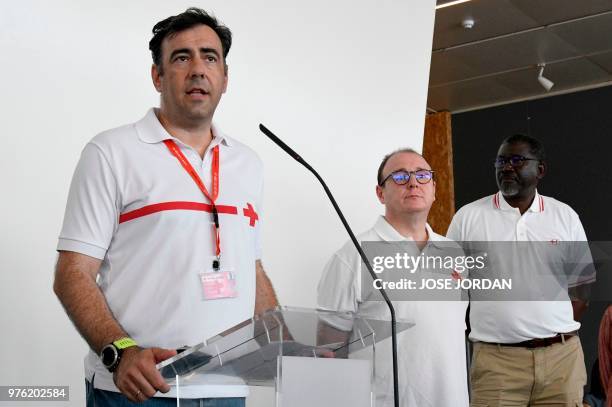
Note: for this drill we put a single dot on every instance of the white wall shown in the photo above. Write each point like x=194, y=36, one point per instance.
x=343, y=82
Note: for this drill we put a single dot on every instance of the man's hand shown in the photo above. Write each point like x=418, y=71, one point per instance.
x=136, y=376
x=580, y=296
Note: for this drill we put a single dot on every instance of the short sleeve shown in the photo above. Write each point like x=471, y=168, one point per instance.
x=454, y=230
x=92, y=212
x=258, y=225
x=581, y=269
x=338, y=286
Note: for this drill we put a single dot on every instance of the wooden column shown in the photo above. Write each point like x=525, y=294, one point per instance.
x=438, y=151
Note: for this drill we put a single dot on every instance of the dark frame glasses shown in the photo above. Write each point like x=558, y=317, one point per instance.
x=402, y=177
x=515, y=161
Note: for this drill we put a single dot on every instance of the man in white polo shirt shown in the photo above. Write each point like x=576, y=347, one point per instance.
x=431, y=355
x=165, y=214
x=526, y=352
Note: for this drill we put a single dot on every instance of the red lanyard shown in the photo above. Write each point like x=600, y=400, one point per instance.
x=176, y=152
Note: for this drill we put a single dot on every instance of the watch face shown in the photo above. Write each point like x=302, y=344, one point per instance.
x=109, y=355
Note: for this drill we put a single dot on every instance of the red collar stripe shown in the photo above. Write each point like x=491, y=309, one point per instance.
x=541, y=204
x=496, y=200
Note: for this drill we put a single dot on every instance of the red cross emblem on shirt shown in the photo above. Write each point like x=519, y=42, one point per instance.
x=250, y=213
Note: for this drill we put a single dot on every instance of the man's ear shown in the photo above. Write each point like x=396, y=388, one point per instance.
x=156, y=77
x=379, y=194
x=541, y=169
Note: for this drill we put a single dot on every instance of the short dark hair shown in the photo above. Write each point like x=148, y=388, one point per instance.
x=535, y=146
x=189, y=18
x=379, y=177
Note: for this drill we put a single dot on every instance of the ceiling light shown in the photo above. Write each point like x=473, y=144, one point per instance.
x=468, y=23
x=545, y=82
x=450, y=3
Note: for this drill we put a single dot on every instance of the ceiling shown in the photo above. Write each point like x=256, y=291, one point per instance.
x=495, y=61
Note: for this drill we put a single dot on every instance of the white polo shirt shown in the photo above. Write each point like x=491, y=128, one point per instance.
x=431, y=355
x=492, y=219
x=132, y=205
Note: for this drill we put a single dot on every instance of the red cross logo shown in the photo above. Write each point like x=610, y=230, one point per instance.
x=250, y=213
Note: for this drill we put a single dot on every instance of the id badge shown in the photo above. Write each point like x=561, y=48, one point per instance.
x=217, y=285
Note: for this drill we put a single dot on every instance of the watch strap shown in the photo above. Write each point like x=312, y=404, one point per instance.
x=124, y=343
x=111, y=353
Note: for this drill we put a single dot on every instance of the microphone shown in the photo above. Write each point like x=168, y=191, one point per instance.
x=364, y=258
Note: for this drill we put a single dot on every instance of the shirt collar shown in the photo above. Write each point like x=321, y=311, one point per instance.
x=388, y=233
x=151, y=131
x=499, y=202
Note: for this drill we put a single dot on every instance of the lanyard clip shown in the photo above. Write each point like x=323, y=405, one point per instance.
x=216, y=264
x=215, y=216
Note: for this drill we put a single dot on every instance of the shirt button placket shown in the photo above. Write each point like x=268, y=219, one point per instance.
x=520, y=230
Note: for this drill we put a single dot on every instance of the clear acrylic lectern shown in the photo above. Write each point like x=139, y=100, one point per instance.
x=307, y=355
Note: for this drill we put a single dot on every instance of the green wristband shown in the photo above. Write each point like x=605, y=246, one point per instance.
x=124, y=343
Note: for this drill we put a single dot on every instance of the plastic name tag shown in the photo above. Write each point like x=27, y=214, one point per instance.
x=218, y=285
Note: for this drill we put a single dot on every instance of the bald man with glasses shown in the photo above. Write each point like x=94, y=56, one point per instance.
x=431, y=355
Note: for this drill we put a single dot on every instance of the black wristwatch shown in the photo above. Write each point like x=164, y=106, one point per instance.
x=111, y=353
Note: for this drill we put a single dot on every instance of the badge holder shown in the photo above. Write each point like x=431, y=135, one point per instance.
x=218, y=283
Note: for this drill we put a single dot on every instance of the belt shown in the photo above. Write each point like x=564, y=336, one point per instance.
x=539, y=342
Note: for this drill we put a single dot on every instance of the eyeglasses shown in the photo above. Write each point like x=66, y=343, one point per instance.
x=515, y=161
x=401, y=177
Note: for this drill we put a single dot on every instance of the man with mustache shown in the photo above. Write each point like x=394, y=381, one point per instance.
x=431, y=355
x=165, y=214
x=526, y=353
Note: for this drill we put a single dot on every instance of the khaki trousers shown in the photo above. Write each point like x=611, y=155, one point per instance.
x=504, y=376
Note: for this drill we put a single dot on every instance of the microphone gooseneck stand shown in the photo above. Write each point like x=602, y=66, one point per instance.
x=299, y=159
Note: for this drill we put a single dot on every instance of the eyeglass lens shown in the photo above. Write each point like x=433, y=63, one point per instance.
x=421, y=176
x=515, y=161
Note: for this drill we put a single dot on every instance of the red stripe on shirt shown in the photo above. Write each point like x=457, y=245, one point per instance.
x=177, y=205
x=541, y=204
